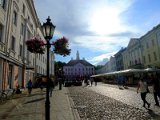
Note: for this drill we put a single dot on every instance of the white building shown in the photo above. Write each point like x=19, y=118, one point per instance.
x=18, y=23
x=78, y=68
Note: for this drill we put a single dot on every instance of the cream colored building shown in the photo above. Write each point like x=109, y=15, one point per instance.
x=18, y=23
x=150, y=44
x=132, y=56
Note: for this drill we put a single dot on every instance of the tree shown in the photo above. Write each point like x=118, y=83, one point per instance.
x=98, y=67
x=59, y=65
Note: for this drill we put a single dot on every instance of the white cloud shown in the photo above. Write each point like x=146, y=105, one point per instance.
x=96, y=25
x=101, y=43
x=99, y=58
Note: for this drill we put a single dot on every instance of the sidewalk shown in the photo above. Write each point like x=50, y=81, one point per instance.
x=62, y=106
x=24, y=107
x=32, y=107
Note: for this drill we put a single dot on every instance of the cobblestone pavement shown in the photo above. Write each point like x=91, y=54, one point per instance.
x=24, y=107
x=127, y=96
x=109, y=103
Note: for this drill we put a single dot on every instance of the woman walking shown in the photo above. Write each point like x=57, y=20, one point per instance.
x=142, y=85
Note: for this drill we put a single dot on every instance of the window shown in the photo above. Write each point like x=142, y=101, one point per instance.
x=15, y=17
x=13, y=43
x=33, y=62
x=20, y=50
x=147, y=46
x=149, y=58
x=1, y=32
x=28, y=18
x=22, y=29
x=2, y=3
x=153, y=42
x=155, y=56
x=144, y=59
x=23, y=9
x=139, y=60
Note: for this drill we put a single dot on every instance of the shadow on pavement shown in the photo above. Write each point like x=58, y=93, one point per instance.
x=152, y=114
x=36, y=94
x=36, y=100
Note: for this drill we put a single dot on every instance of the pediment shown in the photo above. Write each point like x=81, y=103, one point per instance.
x=79, y=65
x=132, y=42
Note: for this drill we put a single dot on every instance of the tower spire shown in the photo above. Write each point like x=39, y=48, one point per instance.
x=77, y=55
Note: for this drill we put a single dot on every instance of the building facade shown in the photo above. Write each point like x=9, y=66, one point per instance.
x=18, y=23
x=110, y=66
x=132, y=56
x=140, y=53
x=78, y=69
x=150, y=48
x=119, y=60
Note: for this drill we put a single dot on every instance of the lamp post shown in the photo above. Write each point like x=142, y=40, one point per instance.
x=48, y=30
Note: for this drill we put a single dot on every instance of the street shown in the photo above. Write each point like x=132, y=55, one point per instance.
x=101, y=102
x=109, y=102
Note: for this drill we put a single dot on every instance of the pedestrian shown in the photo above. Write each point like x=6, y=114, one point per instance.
x=91, y=81
x=142, y=85
x=156, y=88
x=95, y=80
x=124, y=79
x=86, y=81
x=18, y=91
x=60, y=83
x=119, y=82
x=51, y=87
x=29, y=85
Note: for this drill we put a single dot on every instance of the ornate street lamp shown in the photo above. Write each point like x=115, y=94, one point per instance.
x=48, y=30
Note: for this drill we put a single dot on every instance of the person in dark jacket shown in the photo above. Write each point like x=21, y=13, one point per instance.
x=51, y=87
x=156, y=89
x=29, y=85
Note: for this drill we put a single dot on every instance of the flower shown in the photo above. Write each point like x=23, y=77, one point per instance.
x=35, y=45
x=61, y=46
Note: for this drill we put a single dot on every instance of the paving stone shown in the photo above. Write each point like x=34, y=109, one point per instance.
x=103, y=102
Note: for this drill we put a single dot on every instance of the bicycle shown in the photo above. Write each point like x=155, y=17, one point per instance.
x=3, y=96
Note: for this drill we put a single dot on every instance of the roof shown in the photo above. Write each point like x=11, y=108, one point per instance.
x=74, y=62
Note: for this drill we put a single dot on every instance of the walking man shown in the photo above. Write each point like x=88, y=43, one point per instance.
x=29, y=85
x=51, y=87
x=156, y=89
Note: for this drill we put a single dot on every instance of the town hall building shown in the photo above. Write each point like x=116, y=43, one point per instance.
x=78, y=69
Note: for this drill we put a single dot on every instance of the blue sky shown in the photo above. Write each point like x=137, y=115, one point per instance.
x=98, y=28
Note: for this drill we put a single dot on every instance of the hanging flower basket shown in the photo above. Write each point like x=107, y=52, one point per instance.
x=61, y=46
x=35, y=45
